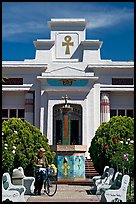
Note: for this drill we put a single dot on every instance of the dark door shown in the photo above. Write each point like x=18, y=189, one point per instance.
x=74, y=139
x=59, y=131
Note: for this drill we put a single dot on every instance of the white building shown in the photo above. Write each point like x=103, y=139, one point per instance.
x=67, y=64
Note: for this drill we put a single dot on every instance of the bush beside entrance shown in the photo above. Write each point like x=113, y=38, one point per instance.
x=20, y=143
x=113, y=144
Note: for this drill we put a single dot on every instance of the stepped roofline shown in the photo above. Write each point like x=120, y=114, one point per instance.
x=56, y=22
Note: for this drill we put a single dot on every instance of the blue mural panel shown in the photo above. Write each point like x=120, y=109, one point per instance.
x=56, y=82
x=70, y=166
x=79, y=167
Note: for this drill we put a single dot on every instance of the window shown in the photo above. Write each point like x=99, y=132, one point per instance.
x=130, y=113
x=13, y=113
x=21, y=113
x=122, y=81
x=5, y=113
x=13, y=81
x=121, y=112
x=113, y=112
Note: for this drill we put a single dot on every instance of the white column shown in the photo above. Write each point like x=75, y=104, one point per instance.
x=105, y=107
x=42, y=110
x=41, y=119
x=96, y=107
x=29, y=107
x=51, y=103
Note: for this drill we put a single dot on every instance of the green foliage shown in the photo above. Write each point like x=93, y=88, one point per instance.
x=20, y=143
x=130, y=191
x=113, y=144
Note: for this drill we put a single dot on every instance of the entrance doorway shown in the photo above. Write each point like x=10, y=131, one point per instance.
x=74, y=131
x=58, y=131
x=74, y=125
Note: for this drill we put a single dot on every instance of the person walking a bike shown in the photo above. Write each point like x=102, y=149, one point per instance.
x=40, y=163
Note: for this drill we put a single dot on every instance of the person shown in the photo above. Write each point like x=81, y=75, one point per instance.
x=40, y=162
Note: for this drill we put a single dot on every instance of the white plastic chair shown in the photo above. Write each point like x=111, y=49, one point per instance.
x=117, y=195
x=14, y=193
x=106, y=181
x=115, y=184
x=28, y=182
x=101, y=176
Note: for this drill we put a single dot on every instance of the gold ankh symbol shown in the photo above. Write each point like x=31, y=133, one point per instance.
x=67, y=43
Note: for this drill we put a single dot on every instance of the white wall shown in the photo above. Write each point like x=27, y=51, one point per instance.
x=121, y=100
x=12, y=99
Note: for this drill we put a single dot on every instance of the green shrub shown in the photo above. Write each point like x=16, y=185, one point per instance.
x=130, y=191
x=20, y=143
x=113, y=144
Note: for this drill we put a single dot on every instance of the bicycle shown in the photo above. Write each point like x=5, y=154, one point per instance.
x=50, y=181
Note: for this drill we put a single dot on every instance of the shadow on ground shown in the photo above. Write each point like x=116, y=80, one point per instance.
x=91, y=192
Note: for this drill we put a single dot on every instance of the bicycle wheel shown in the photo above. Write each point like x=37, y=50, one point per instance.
x=50, y=185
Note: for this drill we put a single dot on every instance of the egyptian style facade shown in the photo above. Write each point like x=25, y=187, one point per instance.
x=67, y=71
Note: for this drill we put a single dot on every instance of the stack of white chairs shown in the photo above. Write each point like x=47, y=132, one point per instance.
x=28, y=181
x=10, y=192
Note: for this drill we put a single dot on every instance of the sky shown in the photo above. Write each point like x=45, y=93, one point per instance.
x=110, y=22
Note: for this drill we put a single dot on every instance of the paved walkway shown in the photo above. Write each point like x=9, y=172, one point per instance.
x=66, y=193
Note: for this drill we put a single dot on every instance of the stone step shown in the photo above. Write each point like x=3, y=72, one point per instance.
x=90, y=171
x=86, y=181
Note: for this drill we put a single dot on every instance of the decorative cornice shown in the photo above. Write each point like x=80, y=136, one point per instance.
x=51, y=89
x=111, y=64
x=25, y=87
x=43, y=44
x=67, y=22
x=67, y=77
x=93, y=44
x=23, y=65
x=117, y=88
